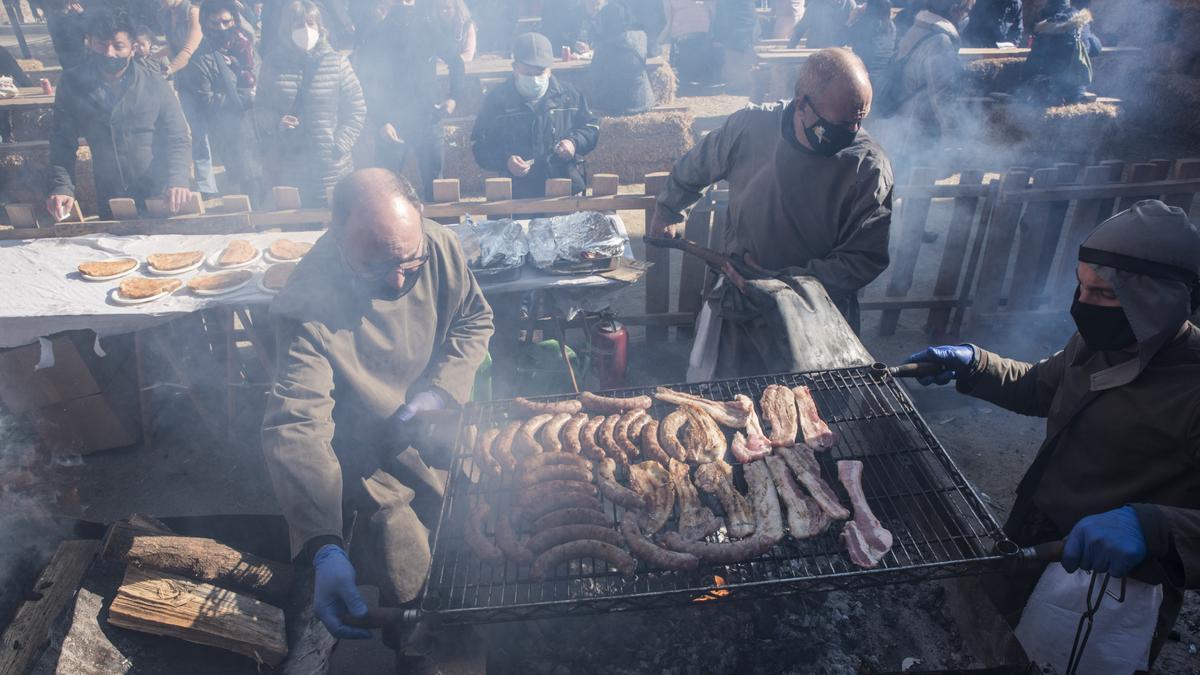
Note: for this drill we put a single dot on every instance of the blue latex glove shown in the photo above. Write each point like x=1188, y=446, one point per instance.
x=335, y=594
x=956, y=358
x=1106, y=542
x=426, y=401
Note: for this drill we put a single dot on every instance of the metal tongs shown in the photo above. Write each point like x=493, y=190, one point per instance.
x=718, y=261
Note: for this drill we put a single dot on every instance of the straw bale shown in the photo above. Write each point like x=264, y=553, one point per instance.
x=664, y=82
x=994, y=75
x=25, y=177
x=1068, y=132
x=30, y=64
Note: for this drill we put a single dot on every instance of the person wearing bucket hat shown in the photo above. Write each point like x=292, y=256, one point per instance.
x=1116, y=476
x=534, y=127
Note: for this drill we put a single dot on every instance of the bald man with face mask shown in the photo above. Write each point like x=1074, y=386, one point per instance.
x=381, y=322
x=810, y=194
x=1118, y=475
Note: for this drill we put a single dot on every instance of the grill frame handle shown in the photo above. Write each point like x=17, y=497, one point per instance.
x=882, y=371
x=1048, y=552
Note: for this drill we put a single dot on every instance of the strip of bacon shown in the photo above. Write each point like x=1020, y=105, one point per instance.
x=865, y=537
x=814, y=429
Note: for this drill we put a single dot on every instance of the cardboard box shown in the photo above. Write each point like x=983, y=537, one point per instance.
x=81, y=426
x=23, y=388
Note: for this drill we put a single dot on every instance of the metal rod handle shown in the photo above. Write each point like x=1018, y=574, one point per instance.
x=382, y=617
x=1051, y=551
x=881, y=370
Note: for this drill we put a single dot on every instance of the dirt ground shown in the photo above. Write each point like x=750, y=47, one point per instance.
x=868, y=631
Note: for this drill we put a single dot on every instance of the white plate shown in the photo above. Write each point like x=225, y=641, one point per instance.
x=264, y=288
x=131, y=270
x=209, y=293
x=114, y=296
x=212, y=261
x=174, y=273
x=272, y=259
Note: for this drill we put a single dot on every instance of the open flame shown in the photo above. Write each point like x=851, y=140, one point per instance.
x=716, y=593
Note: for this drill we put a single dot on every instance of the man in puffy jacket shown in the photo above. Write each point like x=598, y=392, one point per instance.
x=131, y=120
x=534, y=127
x=1116, y=475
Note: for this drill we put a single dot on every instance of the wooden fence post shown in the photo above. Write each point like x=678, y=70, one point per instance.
x=913, y=214
x=954, y=255
x=1031, y=243
x=286, y=198
x=21, y=215
x=998, y=245
x=1185, y=169
x=123, y=208
x=658, y=278
x=1083, y=220
x=605, y=184
x=446, y=191
x=559, y=187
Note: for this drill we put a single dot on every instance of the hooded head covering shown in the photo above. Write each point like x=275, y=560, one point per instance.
x=1151, y=255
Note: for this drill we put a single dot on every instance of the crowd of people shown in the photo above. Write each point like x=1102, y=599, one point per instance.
x=298, y=92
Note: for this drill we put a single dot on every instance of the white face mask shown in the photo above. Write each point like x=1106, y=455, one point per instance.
x=532, y=87
x=306, y=38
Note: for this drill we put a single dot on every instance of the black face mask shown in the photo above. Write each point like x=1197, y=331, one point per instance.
x=825, y=137
x=219, y=36
x=1103, y=329
x=111, y=65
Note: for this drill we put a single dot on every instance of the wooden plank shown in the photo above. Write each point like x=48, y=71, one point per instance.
x=941, y=191
x=1002, y=232
x=1132, y=191
x=123, y=208
x=286, y=198
x=30, y=628
x=235, y=204
x=198, y=558
x=1141, y=173
x=1031, y=240
x=446, y=190
x=167, y=604
x=194, y=206
x=605, y=184
x=693, y=270
x=1185, y=169
x=954, y=255
x=913, y=214
x=658, y=277
x=208, y=224
x=157, y=208
x=20, y=215
x=497, y=189
x=1083, y=220
x=559, y=187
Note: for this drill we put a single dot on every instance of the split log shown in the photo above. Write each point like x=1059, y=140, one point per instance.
x=165, y=604
x=199, y=558
x=30, y=629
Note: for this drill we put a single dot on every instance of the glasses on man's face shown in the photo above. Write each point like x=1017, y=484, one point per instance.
x=377, y=269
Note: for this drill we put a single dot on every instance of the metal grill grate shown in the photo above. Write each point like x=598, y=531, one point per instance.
x=940, y=526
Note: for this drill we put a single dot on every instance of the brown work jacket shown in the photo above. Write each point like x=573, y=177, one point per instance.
x=346, y=363
x=1136, y=444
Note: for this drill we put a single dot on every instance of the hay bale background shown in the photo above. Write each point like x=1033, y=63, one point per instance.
x=25, y=178
x=664, y=82
x=630, y=147
x=985, y=76
x=30, y=64
x=32, y=124
x=1065, y=133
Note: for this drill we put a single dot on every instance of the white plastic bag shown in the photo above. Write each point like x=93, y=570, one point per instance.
x=7, y=88
x=1121, y=631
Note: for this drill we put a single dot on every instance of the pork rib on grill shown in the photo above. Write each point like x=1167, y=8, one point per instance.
x=778, y=405
x=805, y=518
x=716, y=478
x=816, y=432
x=653, y=482
x=768, y=519
x=803, y=464
x=703, y=440
x=696, y=520
x=865, y=537
x=732, y=414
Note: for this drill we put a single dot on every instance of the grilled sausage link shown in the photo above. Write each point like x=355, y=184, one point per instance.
x=668, y=435
x=608, y=439
x=584, y=548
x=608, y=405
x=570, y=433
x=571, y=517
x=552, y=432
x=553, y=472
x=476, y=539
x=587, y=438
x=534, y=494
x=554, y=459
x=645, y=549
x=651, y=448
x=483, y=451
x=525, y=407
x=502, y=448
x=606, y=480
x=565, y=533
x=527, y=443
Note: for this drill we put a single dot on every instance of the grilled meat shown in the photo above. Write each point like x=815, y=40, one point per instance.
x=730, y=413
x=587, y=438
x=584, y=548
x=526, y=407
x=816, y=432
x=502, y=448
x=608, y=405
x=778, y=405
x=716, y=478
x=551, y=433
x=651, y=448
x=570, y=433
x=703, y=439
x=526, y=443
x=606, y=480
x=477, y=539
x=805, y=518
x=668, y=435
x=865, y=537
x=696, y=520
x=653, y=482
x=647, y=551
x=768, y=524
x=803, y=464
x=571, y=516
x=483, y=451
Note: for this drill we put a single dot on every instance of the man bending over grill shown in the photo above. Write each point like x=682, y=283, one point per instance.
x=810, y=193
x=381, y=322
x=1117, y=474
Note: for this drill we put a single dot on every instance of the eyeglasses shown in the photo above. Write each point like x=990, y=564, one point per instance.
x=377, y=269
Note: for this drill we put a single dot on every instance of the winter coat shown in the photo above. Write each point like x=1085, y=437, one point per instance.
x=509, y=125
x=1059, y=65
x=823, y=24
x=874, y=41
x=331, y=109
x=139, y=140
x=734, y=24
x=931, y=74
x=620, y=84
x=993, y=21
x=211, y=88
x=566, y=22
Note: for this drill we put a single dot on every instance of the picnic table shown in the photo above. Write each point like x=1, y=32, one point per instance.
x=29, y=98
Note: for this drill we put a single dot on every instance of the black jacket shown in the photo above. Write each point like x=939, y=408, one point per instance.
x=993, y=21
x=140, y=145
x=509, y=125
x=397, y=64
x=619, y=83
x=211, y=88
x=566, y=22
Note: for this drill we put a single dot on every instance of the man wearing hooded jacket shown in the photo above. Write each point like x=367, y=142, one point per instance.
x=1116, y=475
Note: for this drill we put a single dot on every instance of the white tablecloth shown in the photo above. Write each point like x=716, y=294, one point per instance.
x=41, y=292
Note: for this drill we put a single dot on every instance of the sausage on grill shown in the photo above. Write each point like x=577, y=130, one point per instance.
x=570, y=433
x=555, y=472
x=551, y=434
x=566, y=533
x=476, y=539
x=651, y=448
x=587, y=438
x=535, y=494
x=571, y=517
x=483, y=451
x=584, y=548
x=524, y=406
x=608, y=405
x=502, y=448
x=652, y=553
x=668, y=435
x=554, y=459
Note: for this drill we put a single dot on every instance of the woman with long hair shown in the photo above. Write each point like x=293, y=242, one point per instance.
x=457, y=22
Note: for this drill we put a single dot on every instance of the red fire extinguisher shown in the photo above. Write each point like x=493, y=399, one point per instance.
x=610, y=352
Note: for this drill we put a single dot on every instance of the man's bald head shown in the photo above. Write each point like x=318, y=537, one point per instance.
x=376, y=218
x=836, y=83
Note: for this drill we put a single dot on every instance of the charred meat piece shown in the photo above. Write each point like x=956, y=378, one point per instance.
x=502, y=448
x=634, y=434
x=585, y=548
x=571, y=517
x=587, y=438
x=483, y=451
x=805, y=518
x=865, y=537
x=648, y=551
x=608, y=405
x=570, y=433
x=768, y=525
x=778, y=405
x=606, y=480
x=653, y=482
x=527, y=408
x=703, y=439
x=803, y=464
x=566, y=533
x=551, y=433
x=716, y=478
x=553, y=472
x=477, y=540
x=527, y=443
x=816, y=432
x=696, y=520
x=668, y=435
x=651, y=448
x=532, y=495
x=730, y=413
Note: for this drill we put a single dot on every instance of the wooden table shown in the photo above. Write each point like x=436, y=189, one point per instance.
x=773, y=55
x=30, y=97
x=488, y=68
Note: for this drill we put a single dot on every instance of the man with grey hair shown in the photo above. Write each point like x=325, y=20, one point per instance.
x=810, y=193
x=382, y=321
x=1117, y=473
